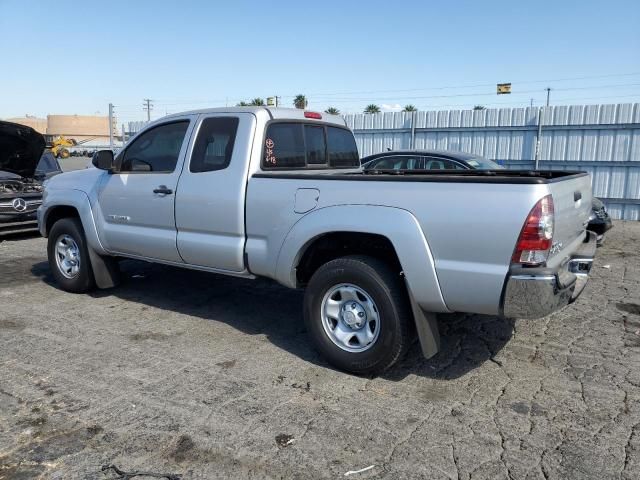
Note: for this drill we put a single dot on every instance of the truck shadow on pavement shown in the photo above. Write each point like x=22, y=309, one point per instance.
x=264, y=307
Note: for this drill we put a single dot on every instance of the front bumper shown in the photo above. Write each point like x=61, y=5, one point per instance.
x=10, y=224
x=535, y=293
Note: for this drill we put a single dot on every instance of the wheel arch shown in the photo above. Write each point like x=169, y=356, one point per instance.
x=69, y=203
x=56, y=213
x=392, y=234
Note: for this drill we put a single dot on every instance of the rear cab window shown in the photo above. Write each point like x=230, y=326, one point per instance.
x=214, y=144
x=301, y=145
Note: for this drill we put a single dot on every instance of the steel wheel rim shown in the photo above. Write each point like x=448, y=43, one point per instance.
x=67, y=255
x=350, y=318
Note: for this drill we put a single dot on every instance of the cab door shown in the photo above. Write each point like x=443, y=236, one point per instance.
x=137, y=201
x=210, y=216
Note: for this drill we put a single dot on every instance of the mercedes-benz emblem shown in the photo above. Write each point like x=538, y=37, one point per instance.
x=19, y=205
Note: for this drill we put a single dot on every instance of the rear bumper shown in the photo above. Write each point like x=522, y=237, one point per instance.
x=535, y=293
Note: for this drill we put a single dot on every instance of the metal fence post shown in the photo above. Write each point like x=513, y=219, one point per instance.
x=413, y=129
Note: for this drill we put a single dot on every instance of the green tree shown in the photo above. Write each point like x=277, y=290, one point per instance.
x=332, y=111
x=257, y=102
x=479, y=107
x=242, y=104
x=300, y=101
x=409, y=108
x=372, y=108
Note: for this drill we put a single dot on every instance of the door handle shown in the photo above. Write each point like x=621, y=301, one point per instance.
x=163, y=190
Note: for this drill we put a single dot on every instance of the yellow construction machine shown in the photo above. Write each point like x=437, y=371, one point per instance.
x=59, y=146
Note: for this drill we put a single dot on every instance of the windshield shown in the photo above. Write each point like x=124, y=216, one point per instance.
x=481, y=163
x=47, y=164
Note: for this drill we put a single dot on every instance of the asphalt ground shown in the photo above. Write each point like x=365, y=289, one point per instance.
x=204, y=376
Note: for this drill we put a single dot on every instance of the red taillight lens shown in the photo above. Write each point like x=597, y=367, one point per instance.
x=536, y=236
x=315, y=115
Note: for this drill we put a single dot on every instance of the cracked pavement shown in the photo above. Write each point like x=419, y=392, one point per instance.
x=213, y=377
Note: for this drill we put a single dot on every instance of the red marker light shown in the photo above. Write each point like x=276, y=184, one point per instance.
x=315, y=115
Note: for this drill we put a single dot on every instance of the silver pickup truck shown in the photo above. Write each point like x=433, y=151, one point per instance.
x=279, y=193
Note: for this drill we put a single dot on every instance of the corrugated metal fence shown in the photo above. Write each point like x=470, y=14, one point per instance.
x=603, y=140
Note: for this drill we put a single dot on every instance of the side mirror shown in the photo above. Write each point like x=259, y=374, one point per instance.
x=103, y=159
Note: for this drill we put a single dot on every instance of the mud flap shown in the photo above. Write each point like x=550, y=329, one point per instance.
x=105, y=270
x=427, y=327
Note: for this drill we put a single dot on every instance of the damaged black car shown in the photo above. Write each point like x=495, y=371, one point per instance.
x=24, y=166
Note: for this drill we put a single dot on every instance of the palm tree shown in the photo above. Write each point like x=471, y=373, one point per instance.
x=479, y=107
x=373, y=108
x=409, y=108
x=257, y=102
x=242, y=104
x=332, y=111
x=300, y=101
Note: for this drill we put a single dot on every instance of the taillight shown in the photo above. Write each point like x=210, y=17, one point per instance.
x=536, y=236
x=315, y=115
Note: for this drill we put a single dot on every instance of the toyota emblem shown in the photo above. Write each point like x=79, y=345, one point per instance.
x=19, y=205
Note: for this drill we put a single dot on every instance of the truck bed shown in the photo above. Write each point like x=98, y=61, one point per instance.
x=470, y=230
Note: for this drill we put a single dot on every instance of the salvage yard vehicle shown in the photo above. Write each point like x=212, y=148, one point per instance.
x=24, y=166
x=599, y=220
x=279, y=193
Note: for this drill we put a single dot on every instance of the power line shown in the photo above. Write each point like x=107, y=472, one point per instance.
x=525, y=102
x=523, y=82
x=317, y=99
x=475, y=94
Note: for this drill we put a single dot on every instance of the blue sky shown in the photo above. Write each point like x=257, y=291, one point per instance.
x=76, y=57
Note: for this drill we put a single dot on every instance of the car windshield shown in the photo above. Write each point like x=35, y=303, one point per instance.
x=47, y=164
x=481, y=163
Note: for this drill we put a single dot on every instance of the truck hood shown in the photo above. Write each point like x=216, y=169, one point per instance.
x=20, y=149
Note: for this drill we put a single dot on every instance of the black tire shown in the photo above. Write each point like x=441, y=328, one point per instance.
x=84, y=280
x=388, y=292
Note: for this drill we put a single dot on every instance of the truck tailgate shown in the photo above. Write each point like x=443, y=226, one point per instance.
x=572, y=206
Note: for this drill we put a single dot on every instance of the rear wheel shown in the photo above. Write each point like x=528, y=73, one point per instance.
x=69, y=257
x=358, y=315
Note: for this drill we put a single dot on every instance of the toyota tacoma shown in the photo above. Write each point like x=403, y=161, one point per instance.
x=279, y=193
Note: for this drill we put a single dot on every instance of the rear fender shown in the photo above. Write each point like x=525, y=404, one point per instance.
x=398, y=225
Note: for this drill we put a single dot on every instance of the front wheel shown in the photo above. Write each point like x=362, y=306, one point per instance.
x=68, y=256
x=358, y=314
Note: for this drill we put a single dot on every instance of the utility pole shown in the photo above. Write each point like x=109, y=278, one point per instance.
x=111, y=125
x=538, y=139
x=148, y=106
x=531, y=105
x=548, y=93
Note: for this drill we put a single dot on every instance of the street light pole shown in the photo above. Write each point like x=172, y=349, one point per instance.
x=111, y=125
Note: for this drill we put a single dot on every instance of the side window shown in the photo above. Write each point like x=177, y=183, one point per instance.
x=433, y=163
x=316, y=145
x=343, y=151
x=156, y=150
x=397, y=162
x=214, y=145
x=284, y=146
